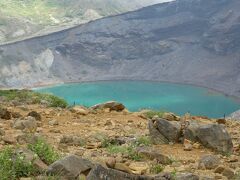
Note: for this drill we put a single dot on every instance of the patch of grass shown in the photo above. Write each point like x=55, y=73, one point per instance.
x=14, y=166
x=29, y=96
x=143, y=141
x=126, y=150
x=45, y=152
x=156, y=168
x=152, y=113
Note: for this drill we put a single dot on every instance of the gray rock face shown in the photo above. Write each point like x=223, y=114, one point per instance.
x=183, y=41
x=208, y=162
x=169, y=129
x=101, y=173
x=215, y=136
x=70, y=167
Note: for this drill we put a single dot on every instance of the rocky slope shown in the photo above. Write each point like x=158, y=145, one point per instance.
x=21, y=19
x=109, y=141
x=185, y=41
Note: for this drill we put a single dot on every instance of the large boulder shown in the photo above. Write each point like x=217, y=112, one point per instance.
x=70, y=167
x=111, y=105
x=101, y=173
x=215, y=136
x=163, y=131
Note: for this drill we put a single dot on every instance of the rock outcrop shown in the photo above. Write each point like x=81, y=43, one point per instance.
x=213, y=136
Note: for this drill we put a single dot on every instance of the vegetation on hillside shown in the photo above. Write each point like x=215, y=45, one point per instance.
x=28, y=96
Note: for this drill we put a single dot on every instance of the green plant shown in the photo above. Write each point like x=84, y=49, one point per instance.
x=33, y=97
x=143, y=140
x=14, y=166
x=126, y=150
x=152, y=113
x=45, y=152
x=156, y=168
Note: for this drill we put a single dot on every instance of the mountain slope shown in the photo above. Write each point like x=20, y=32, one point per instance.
x=19, y=19
x=186, y=41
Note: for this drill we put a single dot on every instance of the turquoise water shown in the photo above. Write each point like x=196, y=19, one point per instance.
x=137, y=95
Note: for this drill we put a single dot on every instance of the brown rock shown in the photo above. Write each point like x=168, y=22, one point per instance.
x=221, y=121
x=5, y=114
x=208, y=162
x=8, y=139
x=111, y=162
x=36, y=115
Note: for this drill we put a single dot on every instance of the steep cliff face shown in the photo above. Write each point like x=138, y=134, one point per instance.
x=26, y=18
x=186, y=41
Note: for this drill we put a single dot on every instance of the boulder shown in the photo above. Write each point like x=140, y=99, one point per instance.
x=101, y=173
x=30, y=156
x=186, y=176
x=208, y=162
x=111, y=105
x=154, y=155
x=70, y=167
x=155, y=136
x=28, y=124
x=5, y=114
x=80, y=110
x=36, y=115
x=167, y=131
x=215, y=136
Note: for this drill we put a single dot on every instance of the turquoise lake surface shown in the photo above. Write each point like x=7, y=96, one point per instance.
x=137, y=95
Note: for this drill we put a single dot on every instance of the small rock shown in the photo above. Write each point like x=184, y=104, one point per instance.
x=187, y=145
x=53, y=123
x=36, y=115
x=221, y=121
x=112, y=105
x=5, y=114
x=111, y=162
x=2, y=132
x=80, y=110
x=225, y=171
x=9, y=139
x=170, y=116
x=208, y=162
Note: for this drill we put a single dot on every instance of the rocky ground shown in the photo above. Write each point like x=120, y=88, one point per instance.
x=108, y=142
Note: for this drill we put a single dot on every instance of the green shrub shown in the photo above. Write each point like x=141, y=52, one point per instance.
x=156, y=168
x=14, y=166
x=45, y=152
x=151, y=114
